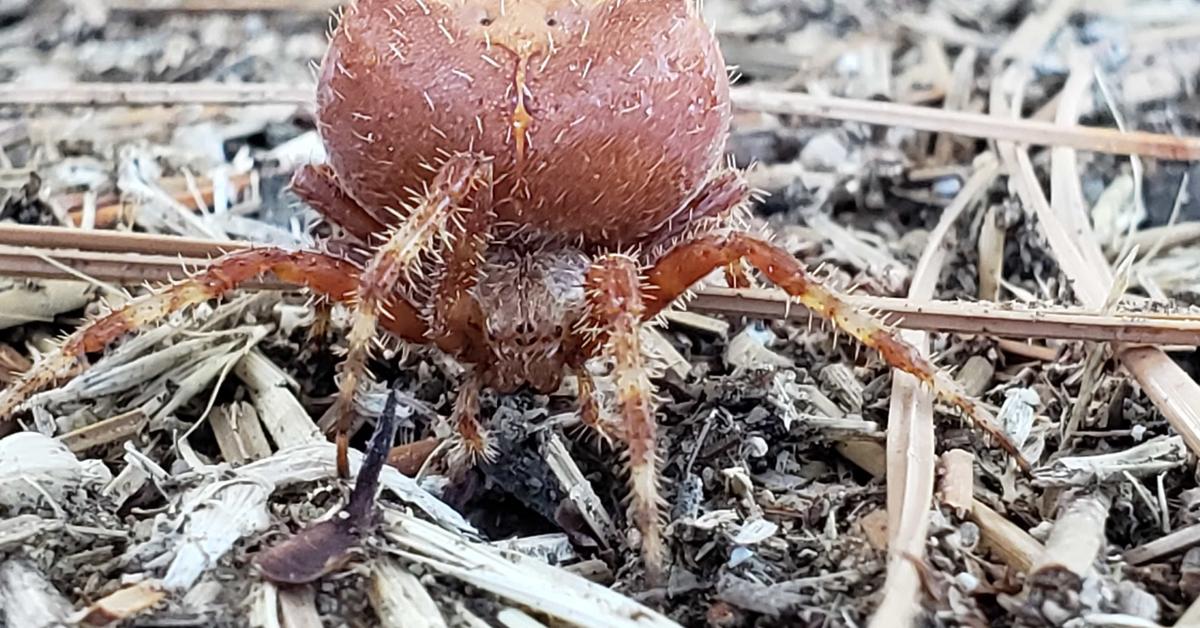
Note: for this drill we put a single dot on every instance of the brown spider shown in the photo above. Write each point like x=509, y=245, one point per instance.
x=522, y=184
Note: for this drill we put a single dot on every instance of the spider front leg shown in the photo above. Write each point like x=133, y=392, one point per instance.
x=615, y=312
x=457, y=320
x=422, y=233
x=690, y=261
x=457, y=325
x=328, y=276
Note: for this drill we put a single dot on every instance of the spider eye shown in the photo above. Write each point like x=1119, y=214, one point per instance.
x=485, y=21
x=551, y=22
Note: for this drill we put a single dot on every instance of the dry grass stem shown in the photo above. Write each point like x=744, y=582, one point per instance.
x=298, y=607
x=519, y=579
x=129, y=259
x=27, y=598
x=1190, y=617
x=910, y=449
x=1012, y=545
x=1174, y=393
x=1144, y=460
x=956, y=480
x=1032, y=132
x=147, y=94
x=399, y=598
x=1176, y=542
x=578, y=490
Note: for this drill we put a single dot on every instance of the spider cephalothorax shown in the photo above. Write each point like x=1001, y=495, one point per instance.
x=530, y=181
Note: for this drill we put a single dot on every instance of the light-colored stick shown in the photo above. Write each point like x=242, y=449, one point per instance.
x=1032, y=132
x=1011, y=544
x=910, y=450
x=147, y=94
x=1008, y=542
x=129, y=259
x=1173, y=392
x=1177, y=541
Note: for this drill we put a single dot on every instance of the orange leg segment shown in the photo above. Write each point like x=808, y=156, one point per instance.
x=470, y=440
x=589, y=406
x=325, y=275
x=422, y=233
x=614, y=292
x=689, y=262
x=457, y=321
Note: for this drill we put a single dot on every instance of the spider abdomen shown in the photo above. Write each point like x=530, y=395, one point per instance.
x=603, y=118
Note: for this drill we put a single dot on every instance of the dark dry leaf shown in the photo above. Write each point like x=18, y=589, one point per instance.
x=326, y=546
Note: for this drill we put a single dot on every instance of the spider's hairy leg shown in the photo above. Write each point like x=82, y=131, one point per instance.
x=327, y=276
x=616, y=310
x=456, y=321
x=589, y=406
x=470, y=441
x=419, y=234
x=691, y=260
x=318, y=186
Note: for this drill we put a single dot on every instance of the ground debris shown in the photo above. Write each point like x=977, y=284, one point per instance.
x=147, y=486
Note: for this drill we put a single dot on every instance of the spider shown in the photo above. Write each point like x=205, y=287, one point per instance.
x=522, y=184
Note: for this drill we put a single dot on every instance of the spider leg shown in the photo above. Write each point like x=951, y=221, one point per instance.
x=328, y=276
x=399, y=260
x=616, y=310
x=589, y=406
x=470, y=439
x=457, y=320
x=318, y=186
x=457, y=325
x=692, y=260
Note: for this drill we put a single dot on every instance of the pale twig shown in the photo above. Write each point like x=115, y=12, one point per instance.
x=146, y=94
x=1035, y=31
x=1073, y=545
x=1008, y=542
x=1012, y=545
x=1190, y=617
x=1033, y=132
x=1001, y=320
x=132, y=259
x=910, y=450
x=1175, y=394
x=1176, y=542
